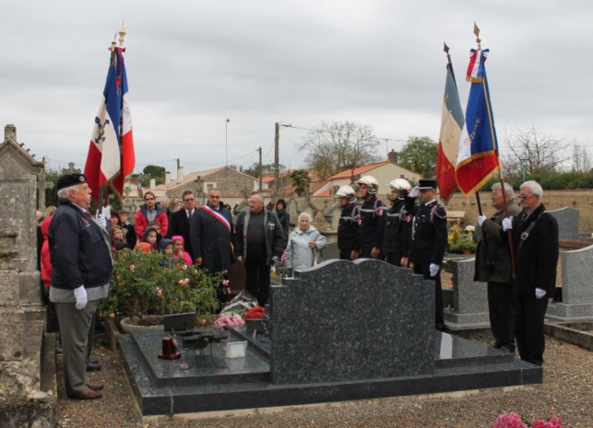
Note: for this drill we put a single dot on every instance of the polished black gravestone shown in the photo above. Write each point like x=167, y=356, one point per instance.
x=344, y=321
x=427, y=361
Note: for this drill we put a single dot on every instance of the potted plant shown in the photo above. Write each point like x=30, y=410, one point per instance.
x=150, y=285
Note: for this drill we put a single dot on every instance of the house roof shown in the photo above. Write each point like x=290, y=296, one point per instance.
x=358, y=171
x=192, y=176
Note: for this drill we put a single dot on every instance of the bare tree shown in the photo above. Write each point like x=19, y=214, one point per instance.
x=533, y=152
x=337, y=146
x=581, y=162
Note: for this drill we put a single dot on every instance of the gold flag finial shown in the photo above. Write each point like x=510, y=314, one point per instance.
x=477, y=33
x=122, y=33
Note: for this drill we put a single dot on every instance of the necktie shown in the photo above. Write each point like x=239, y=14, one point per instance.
x=522, y=218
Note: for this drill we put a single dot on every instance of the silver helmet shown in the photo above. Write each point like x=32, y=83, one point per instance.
x=400, y=184
x=371, y=183
x=346, y=192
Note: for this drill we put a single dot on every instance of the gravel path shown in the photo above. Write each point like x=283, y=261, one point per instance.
x=567, y=390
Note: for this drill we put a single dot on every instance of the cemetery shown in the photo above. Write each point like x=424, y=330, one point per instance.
x=339, y=331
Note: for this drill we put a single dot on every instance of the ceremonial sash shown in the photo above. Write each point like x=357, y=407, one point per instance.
x=217, y=216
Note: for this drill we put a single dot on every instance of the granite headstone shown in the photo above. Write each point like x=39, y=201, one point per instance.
x=343, y=320
x=568, y=222
x=577, y=288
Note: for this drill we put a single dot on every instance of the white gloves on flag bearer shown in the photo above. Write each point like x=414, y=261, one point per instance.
x=481, y=219
x=434, y=269
x=101, y=220
x=414, y=192
x=539, y=293
x=507, y=223
x=81, y=297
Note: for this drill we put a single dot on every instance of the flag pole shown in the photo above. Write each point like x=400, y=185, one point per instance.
x=495, y=143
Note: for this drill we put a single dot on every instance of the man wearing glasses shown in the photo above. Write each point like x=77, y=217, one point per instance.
x=210, y=231
x=180, y=220
x=535, y=246
x=493, y=266
x=150, y=211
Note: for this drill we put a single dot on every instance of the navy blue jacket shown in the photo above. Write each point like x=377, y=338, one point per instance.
x=78, y=250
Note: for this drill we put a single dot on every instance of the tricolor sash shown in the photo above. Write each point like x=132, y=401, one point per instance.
x=217, y=216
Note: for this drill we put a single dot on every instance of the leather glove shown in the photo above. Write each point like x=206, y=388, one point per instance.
x=539, y=293
x=101, y=220
x=434, y=269
x=507, y=223
x=414, y=192
x=81, y=297
x=481, y=219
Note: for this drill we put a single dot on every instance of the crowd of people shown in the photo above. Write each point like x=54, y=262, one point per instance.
x=517, y=252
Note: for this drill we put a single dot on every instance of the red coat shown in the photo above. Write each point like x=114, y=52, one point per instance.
x=141, y=221
x=46, y=267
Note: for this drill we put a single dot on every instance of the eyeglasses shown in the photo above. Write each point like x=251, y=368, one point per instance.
x=214, y=197
x=525, y=196
x=188, y=199
x=149, y=199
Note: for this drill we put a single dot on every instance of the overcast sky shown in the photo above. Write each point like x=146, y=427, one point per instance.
x=193, y=64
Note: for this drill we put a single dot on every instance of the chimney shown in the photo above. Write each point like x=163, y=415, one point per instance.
x=392, y=156
x=152, y=183
x=10, y=133
x=167, y=177
x=180, y=173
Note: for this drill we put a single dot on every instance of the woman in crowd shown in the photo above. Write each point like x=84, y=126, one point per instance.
x=304, y=244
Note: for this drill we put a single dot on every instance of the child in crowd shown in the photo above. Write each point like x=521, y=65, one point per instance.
x=155, y=225
x=166, y=246
x=142, y=247
x=116, y=233
x=180, y=253
x=129, y=232
x=152, y=236
x=114, y=219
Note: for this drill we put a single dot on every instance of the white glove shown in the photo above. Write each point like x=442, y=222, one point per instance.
x=434, y=269
x=240, y=259
x=81, y=297
x=414, y=192
x=101, y=220
x=275, y=259
x=507, y=223
x=481, y=219
x=539, y=293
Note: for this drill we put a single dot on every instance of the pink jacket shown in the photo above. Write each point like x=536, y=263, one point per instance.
x=182, y=255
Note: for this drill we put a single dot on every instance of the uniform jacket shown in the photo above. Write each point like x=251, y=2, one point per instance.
x=493, y=260
x=348, y=226
x=141, y=221
x=298, y=253
x=429, y=233
x=370, y=230
x=537, y=258
x=275, y=237
x=179, y=225
x=79, y=249
x=397, y=228
x=211, y=240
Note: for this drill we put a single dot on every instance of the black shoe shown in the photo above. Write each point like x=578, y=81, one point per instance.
x=93, y=366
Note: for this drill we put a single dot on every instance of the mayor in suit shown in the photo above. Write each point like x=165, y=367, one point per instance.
x=179, y=224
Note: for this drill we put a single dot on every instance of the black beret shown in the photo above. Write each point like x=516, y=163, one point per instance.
x=69, y=180
x=426, y=184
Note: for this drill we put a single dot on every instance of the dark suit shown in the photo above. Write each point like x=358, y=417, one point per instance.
x=536, y=255
x=179, y=225
x=429, y=241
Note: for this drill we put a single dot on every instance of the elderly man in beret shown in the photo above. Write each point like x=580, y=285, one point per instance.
x=82, y=266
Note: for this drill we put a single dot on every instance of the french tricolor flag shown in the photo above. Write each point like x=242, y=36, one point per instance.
x=111, y=151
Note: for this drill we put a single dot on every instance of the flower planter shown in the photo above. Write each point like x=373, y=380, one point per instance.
x=146, y=323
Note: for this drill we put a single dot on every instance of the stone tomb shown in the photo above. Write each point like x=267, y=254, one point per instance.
x=568, y=222
x=577, y=288
x=339, y=331
x=470, y=298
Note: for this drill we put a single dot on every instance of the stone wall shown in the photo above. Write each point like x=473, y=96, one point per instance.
x=581, y=200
